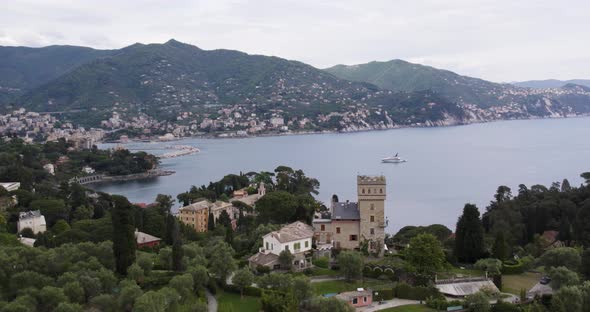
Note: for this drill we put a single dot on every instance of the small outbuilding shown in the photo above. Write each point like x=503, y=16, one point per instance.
x=359, y=298
x=146, y=240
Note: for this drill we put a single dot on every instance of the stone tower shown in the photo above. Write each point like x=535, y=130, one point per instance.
x=371, y=202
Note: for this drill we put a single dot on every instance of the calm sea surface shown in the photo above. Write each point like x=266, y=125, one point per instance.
x=446, y=168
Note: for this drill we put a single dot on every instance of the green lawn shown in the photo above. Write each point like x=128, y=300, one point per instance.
x=329, y=287
x=454, y=271
x=230, y=302
x=409, y=308
x=514, y=283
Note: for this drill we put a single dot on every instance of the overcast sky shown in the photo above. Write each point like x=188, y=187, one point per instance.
x=499, y=40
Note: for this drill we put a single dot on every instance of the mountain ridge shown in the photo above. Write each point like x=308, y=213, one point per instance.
x=182, y=84
x=550, y=83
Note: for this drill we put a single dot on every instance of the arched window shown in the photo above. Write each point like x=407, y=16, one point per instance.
x=363, y=191
x=381, y=191
x=369, y=191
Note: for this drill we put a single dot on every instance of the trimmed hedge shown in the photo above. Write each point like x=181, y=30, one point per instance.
x=513, y=267
x=383, y=294
x=405, y=291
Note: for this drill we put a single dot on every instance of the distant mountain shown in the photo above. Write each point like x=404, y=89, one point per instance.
x=399, y=75
x=179, y=87
x=162, y=80
x=551, y=83
x=23, y=68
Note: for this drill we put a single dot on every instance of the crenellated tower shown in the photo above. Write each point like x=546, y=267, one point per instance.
x=371, y=203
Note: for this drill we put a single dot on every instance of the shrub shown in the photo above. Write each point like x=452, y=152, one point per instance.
x=383, y=294
x=261, y=269
x=321, y=262
x=513, y=267
x=157, y=279
x=252, y=291
x=440, y=303
x=405, y=291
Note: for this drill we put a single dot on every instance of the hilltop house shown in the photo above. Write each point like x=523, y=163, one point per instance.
x=295, y=238
x=146, y=240
x=197, y=214
x=33, y=220
x=353, y=225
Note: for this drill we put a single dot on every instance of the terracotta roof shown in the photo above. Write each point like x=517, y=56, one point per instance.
x=292, y=232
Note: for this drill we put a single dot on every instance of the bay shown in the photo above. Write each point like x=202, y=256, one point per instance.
x=447, y=166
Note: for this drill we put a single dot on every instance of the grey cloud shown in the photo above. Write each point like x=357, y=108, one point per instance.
x=501, y=40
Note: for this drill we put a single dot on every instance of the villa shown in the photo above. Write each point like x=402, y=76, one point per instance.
x=295, y=238
x=33, y=220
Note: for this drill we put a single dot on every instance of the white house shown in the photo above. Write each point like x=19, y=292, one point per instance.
x=50, y=168
x=33, y=220
x=88, y=170
x=10, y=186
x=295, y=238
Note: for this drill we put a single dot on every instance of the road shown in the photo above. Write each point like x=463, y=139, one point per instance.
x=211, y=301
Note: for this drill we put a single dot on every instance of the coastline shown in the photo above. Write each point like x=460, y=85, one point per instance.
x=451, y=123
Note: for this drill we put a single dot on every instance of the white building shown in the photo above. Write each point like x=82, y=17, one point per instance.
x=33, y=220
x=50, y=168
x=10, y=186
x=88, y=170
x=295, y=238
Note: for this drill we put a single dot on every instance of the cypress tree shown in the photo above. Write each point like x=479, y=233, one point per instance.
x=124, y=243
x=500, y=248
x=211, y=222
x=170, y=224
x=469, y=246
x=177, y=251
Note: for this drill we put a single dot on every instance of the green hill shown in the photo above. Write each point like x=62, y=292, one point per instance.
x=23, y=68
x=398, y=75
x=174, y=74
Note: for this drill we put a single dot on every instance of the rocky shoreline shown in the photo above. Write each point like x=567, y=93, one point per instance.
x=450, y=122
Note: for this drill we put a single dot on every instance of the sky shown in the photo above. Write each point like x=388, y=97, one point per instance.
x=497, y=40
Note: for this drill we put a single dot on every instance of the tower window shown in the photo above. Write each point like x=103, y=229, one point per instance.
x=338, y=230
x=372, y=231
x=372, y=206
x=369, y=191
x=363, y=191
x=323, y=227
x=381, y=191
x=372, y=218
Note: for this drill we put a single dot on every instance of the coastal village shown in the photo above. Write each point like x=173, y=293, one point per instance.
x=245, y=120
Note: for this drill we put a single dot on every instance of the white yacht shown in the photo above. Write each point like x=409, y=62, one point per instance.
x=393, y=159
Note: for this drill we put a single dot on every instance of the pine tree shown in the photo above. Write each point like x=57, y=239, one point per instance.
x=469, y=245
x=124, y=243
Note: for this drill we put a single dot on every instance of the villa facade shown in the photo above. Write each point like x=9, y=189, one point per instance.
x=356, y=225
